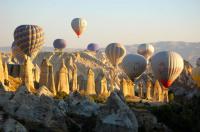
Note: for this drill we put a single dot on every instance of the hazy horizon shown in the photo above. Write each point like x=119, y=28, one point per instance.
x=127, y=22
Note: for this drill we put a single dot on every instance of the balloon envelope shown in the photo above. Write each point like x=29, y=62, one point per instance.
x=146, y=50
x=134, y=65
x=79, y=25
x=93, y=47
x=59, y=44
x=167, y=66
x=196, y=75
x=29, y=38
x=115, y=52
x=17, y=53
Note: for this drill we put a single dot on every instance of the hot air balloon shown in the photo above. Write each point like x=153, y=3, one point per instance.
x=93, y=47
x=198, y=62
x=146, y=50
x=134, y=65
x=115, y=52
x=29, y=39
x=196, y=75
x=167, y=66
x=59, y=44
x=79, y=25
x=17, y=53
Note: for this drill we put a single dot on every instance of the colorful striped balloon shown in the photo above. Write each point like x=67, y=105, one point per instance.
x=29, y=38
x=115, y=52
x=167, y=66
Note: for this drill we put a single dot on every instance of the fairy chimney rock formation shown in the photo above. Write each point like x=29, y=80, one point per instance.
x=62, y=82
x=28, y=74
x=165, y=95
x=148, y=89
x=131, y=89
x=5, y=71
x=157, y=92
x=70, y=66
x=90, y=83
x=74, y=79
x=125, y=90
x=36, y=73
x=1, y=70
x=44, y=74
x=51, y=81
x=140, y=90
x=103, y=89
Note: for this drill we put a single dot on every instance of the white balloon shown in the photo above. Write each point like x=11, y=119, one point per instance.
x=146, y=50
x=167, y=66
x=79, y=25
x=134, y=65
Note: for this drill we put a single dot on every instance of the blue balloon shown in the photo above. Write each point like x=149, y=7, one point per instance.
x=93, y=47
x=59, y=43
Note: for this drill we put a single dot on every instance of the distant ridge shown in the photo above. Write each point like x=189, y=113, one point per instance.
x=190, y=51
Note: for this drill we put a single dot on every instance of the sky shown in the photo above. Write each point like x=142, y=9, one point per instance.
x=122, y=21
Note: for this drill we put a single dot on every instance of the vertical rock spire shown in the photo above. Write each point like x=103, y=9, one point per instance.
x=157, y=92
x=104, y=90
x=74, y=79
x=131, y=88
x=28, y=74
x=90, y=83
x=1, y=70
x=125, y=90
x=140, y=90
x=51, y=81
x=44, y=72
x=148, y=89
x=36, y=73
x=63, y=82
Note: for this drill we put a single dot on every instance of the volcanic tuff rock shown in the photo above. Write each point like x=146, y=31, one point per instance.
x=116, y=116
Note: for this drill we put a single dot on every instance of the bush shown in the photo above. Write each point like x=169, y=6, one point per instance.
x=184, y=117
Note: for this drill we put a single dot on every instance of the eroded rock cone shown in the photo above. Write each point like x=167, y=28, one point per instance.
x=51, y=81
x=104, y=89
x=74, y=79
x=157, y=92
x=36, y=73
x=148, y=89
x=90, y=83
x=116, y=116
x=131, y=88
x=1, y=70
x=44, y=72
x=62, y=79
x=125, y=90
x=28, y=74
x=140, y=90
